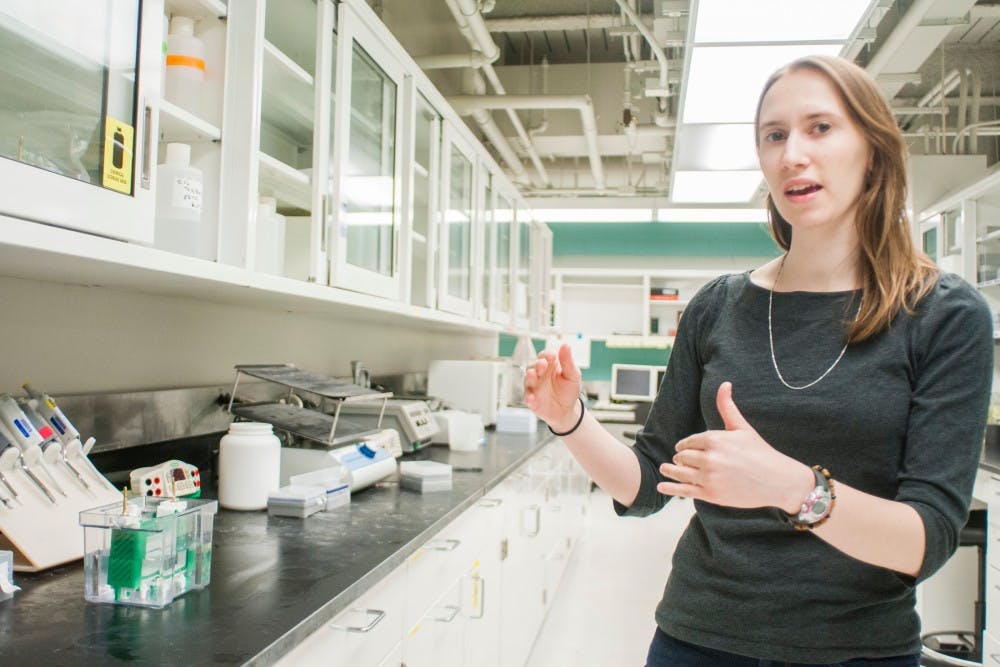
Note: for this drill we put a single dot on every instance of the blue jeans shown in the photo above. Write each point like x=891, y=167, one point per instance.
x=665, y=651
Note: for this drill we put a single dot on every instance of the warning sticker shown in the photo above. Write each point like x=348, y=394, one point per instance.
x=118, y=144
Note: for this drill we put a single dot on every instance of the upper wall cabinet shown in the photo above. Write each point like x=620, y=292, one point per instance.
x=367, y=149
x=79, y=113
x=540, y=294
x=503, y=254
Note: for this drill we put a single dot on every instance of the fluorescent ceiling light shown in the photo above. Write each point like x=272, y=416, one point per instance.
x=724, y=82
x=714, y=186
x=702, y=147
x=595, y=214
x=778, y=20
x=711, y=215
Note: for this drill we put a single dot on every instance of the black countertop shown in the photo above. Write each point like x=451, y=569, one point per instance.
x=274, y=579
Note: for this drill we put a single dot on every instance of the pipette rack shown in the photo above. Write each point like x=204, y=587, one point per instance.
x=314, y=427
x=44, y=533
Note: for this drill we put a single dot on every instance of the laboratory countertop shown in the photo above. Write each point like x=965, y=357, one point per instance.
x=274, y=579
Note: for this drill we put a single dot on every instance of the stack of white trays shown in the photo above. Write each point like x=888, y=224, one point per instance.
x=425, y=476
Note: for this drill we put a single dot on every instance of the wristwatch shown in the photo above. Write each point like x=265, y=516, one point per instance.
x=818, y=505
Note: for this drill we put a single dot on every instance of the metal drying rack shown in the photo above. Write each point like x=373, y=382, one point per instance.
x=312, y=425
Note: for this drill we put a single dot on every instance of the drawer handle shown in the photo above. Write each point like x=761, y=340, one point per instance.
x=377, y=615
x=479, y=595
x=444, y=545
x=491, y=502
x=538, y=521
x=454, y=609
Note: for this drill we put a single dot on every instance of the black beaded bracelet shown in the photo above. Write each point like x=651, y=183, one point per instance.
x=583, y=411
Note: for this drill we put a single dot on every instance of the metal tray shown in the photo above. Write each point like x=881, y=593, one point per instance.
x=290, y=376
x=308, y=424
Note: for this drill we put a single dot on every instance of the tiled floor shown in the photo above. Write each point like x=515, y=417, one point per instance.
x=603, y=610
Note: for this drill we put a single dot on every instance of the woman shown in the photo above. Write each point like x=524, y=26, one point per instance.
x=850, y=353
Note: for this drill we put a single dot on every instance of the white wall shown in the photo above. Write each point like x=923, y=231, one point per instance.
x=73, y=339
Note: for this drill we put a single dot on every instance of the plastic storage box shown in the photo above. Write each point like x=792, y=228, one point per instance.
x=338, y=492
x=157, y=550
x=425, y=476
x=297, y=501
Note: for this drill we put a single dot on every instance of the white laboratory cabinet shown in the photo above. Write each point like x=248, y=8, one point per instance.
x=380, y=188
x=79, y=115
x=478, y=591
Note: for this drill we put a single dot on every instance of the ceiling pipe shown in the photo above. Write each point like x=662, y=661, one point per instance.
x=935, y=96
x=977, y=94
x=473, y=27
x=452, y=61
x=543, y=124
x=658, y=53
x=472, y=81
x=910, y=20
x=468, y=104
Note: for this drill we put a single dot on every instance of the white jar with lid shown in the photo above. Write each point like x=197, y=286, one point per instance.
x=249, y=466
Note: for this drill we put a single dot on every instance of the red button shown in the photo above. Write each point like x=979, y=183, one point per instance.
x=197, y=482
x=157, y=480
x=158, y=492
x=195, y=473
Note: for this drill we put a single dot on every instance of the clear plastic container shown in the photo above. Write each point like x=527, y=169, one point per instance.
x=7, y=586
x=150, y=555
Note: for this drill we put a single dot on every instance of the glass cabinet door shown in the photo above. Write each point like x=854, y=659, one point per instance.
x=78, y=113
x=522, y=276
x=369, y=104
x=423, y=203
x=455, y=291
x=501, y=288
x=487, y=245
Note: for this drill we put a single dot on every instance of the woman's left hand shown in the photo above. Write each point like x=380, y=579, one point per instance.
x=735, y=467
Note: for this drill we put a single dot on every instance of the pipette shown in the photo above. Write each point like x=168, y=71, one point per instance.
x=52, y=448
x=11, y=458
x=48, y=445
x=18, y=430
x=54, y=417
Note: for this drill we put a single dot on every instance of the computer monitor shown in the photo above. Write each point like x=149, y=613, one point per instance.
x=634, y=382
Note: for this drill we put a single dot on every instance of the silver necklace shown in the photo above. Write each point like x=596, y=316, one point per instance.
x=770, y=335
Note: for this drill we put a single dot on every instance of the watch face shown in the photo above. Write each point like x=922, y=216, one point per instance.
x=819, y=508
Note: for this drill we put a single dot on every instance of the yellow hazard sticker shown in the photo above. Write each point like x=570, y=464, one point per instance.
x=118, y=144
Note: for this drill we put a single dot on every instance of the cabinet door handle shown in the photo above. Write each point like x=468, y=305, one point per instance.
x=480, y=588
x=444, y=545
x=454, y=609
x=324, y=215
x=491, y=502
x=145, y=179
x=377, y=615
x=538, y=520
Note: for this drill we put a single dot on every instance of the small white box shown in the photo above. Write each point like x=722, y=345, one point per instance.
x=338, y=492
x=297, y=501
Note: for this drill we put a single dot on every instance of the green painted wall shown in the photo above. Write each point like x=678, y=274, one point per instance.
x=601, y=356
x=662, y=239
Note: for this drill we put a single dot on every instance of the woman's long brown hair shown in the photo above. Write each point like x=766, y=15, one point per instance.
x=895, y=275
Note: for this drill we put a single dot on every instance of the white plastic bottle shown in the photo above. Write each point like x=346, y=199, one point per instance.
x=178, y=202
x=185, y=75
x=270, y=255
x=249, y=466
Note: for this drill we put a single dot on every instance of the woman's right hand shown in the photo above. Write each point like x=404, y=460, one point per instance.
x=551, y=389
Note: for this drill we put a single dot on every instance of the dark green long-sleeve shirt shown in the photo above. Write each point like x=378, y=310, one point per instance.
x=902, y=416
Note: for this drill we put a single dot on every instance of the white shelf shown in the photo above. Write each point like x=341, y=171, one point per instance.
x=418, y=238
x=76, y=258
x=196, y=9
x=287, y=96
x=285, y=183
x=677, y=303
x=992, y=236
x=177, y=124
x=420, y=169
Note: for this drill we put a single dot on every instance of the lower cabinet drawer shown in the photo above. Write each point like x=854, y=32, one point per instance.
x=991, y=650
x=362, y=635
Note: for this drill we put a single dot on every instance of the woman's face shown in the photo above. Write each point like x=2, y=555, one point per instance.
x=813, y=156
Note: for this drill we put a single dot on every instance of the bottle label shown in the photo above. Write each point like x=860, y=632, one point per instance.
x=174, y=60
x=186, y=193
